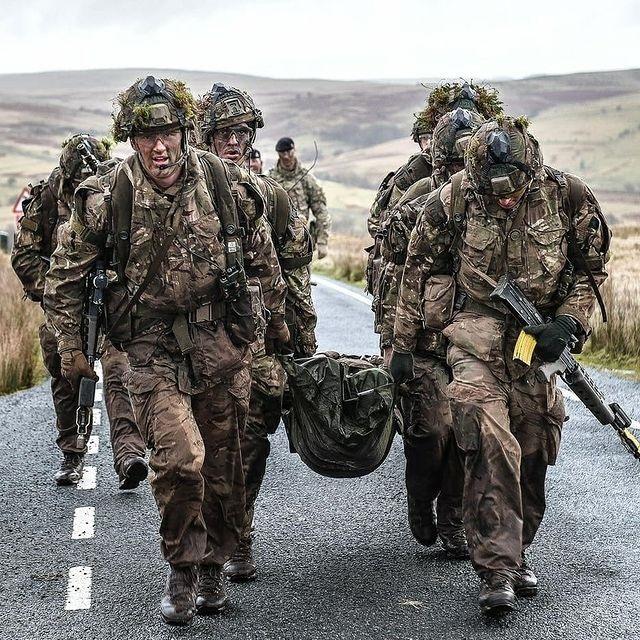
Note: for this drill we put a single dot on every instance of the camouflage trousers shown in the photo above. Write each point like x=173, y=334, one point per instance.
x=433, y=460
x=125, y=437
x=197, y=477
x=510, y=432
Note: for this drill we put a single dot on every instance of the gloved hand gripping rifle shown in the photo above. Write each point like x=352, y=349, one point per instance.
x=92, y=323
x=568, y=368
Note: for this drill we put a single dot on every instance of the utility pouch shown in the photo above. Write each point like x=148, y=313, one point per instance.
x=374, y=263
x=243, y=316
x=117, y=300
x=438, y=301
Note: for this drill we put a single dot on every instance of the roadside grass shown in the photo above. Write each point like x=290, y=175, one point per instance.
x=346, y=261
x=20, y=360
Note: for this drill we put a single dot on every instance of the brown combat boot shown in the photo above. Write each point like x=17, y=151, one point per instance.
x=132, y=472
x=241, y=567
x=454, y=543
x=497, y=597
x=525, y=582
x=178, y=605
x=70, y=470
x=422, y=521
x=212, y=593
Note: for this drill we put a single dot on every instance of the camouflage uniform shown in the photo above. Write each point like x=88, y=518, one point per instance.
x=308, y=199
x=35, y=242
x=189, y=378
x=223, y=107
x=505, y=420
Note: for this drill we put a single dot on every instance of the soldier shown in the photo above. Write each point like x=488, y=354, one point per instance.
x=222, y=111
x=183, y=246
x=48, y=208
x=255, y=161
x=305, y=192
x=384, y=274
x=506, y=212
x=433, y=464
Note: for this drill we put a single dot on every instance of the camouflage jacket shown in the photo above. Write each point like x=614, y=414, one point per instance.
x=308, y=198
x=394, y=186
x=186, y=284
x=396, y=232
x=36, y=238
x=534, y=253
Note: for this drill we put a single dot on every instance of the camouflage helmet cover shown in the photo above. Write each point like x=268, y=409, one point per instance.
x=451, y=95
x=226, y=106
x=81, y=153
x=451, y=136
x=152, y=103
x=502, y=156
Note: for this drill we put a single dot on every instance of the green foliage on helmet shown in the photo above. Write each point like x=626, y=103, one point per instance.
x=225, y=106
x=502, y=156
x=152, y=103
x=81, y=153
x=451, y=95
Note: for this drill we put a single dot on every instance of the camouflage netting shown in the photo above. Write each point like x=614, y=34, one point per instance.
x=450, y=95
x=133, y=111
x=525, y=157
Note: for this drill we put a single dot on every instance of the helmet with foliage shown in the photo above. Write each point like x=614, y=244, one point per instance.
x=153, y=103
x=225, y=106
x=81, y=155
x=450, y=96
x=450, y=139
x=502, y=157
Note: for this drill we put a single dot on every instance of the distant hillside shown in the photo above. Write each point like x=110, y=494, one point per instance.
x=587, y=123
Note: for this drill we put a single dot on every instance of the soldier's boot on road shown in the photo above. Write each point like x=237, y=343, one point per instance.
x=178, y=605
x=497, y=597
x=70, y=470
x=422, y=521
x=525, y=582
x=132, y=472
x=212, y=594
x=241, y=567
x=455, y=543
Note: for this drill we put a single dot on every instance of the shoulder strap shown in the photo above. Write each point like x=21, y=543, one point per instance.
x=118, y=198
x=573, y=192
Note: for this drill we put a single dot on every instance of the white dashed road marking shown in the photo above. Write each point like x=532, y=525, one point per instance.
x=93, y=445
x=329, y=284
x=83, y=523
x=88, y=480
x=79, y=589
x=98, y=395
x=97, y=417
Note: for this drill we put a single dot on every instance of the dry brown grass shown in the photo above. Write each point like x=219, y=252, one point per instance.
x=20, y=361
x=346, y=261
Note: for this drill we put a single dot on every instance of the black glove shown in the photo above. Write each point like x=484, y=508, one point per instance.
x=553, y=337
x=401, y=367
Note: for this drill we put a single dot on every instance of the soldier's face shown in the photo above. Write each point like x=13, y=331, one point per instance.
x=255, y=164
x=231, y=143
x=424, y=141
x=159, y=154
x=287, y=158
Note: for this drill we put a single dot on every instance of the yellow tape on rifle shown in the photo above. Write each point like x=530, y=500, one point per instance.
x=627, y=432
x=525, y=347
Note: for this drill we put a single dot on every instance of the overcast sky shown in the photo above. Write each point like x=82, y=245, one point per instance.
x=342, y=39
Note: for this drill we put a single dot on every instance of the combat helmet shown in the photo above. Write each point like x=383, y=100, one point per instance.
x=81, y=155
x=153, y=103
x=502, y=157
x=450, y=139
x=226, y=106
x=452, y=95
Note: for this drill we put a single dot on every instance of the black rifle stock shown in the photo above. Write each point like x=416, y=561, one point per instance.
x=97, y=282
x=576, y=378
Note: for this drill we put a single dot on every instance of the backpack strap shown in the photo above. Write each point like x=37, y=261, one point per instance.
x=458, y=216
x=573, y=192
x=118, y=198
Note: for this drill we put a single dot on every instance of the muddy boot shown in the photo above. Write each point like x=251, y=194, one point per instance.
x=178, y=605
x=70, y=470
x=497, y=597
x=132, y=472
x=212, y=593
x=455, y=543
x=525, y=582
x=422, y=521
x=241, y=566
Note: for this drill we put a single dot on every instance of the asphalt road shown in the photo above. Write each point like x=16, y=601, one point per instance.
x=336, y=558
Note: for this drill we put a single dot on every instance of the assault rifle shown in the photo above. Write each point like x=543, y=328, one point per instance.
x=93, y=316
x=568, y=368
